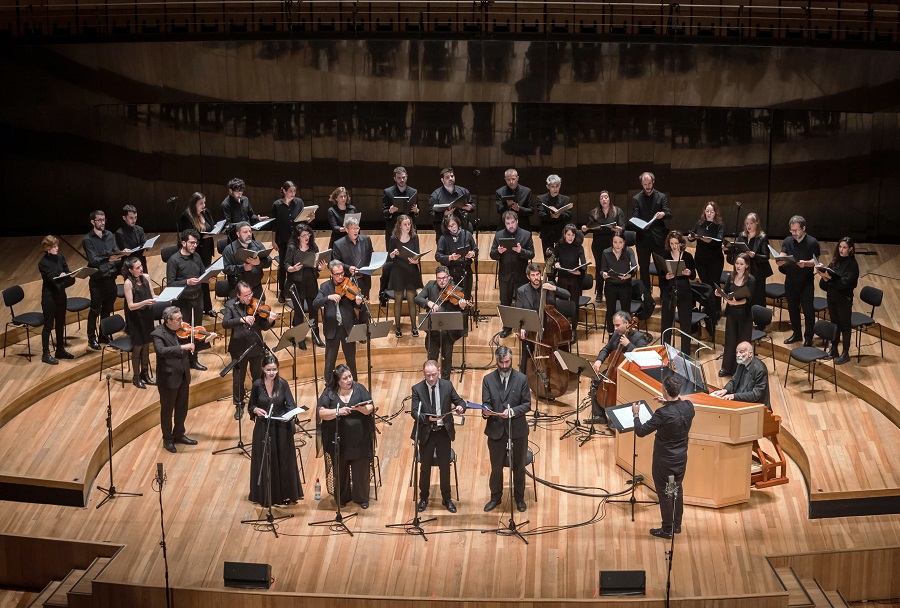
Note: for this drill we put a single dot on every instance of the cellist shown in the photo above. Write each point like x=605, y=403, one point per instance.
x=623, y=339
x=529, y=296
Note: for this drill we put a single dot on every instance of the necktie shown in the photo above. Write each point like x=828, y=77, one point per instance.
x=505, y=378
x=433, y=402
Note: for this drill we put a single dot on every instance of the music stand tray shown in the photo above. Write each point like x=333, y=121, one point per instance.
x=365, y=331
x=520, y=318
x=621, y=418
x=296, y=334
x=442, y=321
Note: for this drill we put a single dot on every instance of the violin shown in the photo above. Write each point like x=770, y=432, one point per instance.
x=257, y=308
x=198, y=333
x=348, y=288
x=449, y=294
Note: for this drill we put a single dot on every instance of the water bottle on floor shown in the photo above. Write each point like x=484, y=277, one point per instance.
x=317, y=493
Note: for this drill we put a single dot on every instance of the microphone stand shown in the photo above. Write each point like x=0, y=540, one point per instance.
x=670, y=554
x=111, y=492
x=315, y=340
x=269, y=521
x=511, y=529
x=160, y=481
x=339, y=519
x=241, y=446
x=635, y=479
x=414, y=526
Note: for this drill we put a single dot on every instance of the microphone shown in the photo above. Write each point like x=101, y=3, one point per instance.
x=739, y=203
x=171, y=199
x=160, y=476
x=670, y=486
x=108, y=375
x=477, y=171
x=271, y=407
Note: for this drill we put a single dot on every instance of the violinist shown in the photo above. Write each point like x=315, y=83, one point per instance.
x=340, y=313
x=529, y=296
x=439, y=296
x=246, y=326
x=622, y=339
x=355, y=251
x=183, y=270
x=250, y=271
x=173, y=377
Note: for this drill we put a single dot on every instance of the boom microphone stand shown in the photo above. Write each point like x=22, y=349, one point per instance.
x=111, y=492
x=414, y=526
x=672, y=492
x=241, y=446
x=269, y=521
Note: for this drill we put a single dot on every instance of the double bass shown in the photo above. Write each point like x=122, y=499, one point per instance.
x=604, y=392
x=546, y=376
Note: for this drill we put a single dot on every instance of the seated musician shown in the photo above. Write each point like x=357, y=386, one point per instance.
x=622, y=339
x=528, y=296
x=432, y=298
x=750, y=382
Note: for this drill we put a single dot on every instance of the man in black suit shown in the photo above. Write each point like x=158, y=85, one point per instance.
x=130, y=236
x=506, y=394
x=511, y=260
x=237, y=208
x=528, y=296
x=552, y=219
x=173, y=378
x=432, y=400
x=99, y=248
x=622, y=337
x=672, y=423
x=516, y=197
x=246, y=332
x=649, y=204
x=355, y=251
x=750, y=382
x=247, y=271
x=440, y=341
x=338, y=318
x=392, y=209
x=445, y=194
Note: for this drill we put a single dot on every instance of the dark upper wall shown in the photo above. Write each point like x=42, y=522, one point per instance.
x=784, y=130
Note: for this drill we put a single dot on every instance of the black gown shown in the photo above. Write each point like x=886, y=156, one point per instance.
x=404, y=275
x=140, y=321
x=357, y=444
x=285, y=473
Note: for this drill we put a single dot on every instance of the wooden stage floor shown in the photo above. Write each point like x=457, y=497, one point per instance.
x=52, y=436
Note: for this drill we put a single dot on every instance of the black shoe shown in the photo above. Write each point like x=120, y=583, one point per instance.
x=505, y=333
x=723, y=373
x=302, y=344
x=198, y=366
x=364, y=505
x=792, y=339
x=415, y=332
x=185, y=440
x=281, y=299
x=92, y=342
x=423, y=504
x=169, y=446
x=148, y=380
x=598, y=299
x=660, y=533
x=363, y=341
x=209, y=313
x=138, y=383
x=831, y=355
x=238, y=411
x=807, y=343
x=62, y=353
x=49, y=359
x=398, y=334
x=490, y=506
x=845, y=358
x=677, y=528
x=521, y=506
x=449, y=505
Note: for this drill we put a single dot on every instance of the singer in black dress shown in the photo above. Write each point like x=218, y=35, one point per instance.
x=738, y=317
x=605, y=219
x=302, y=281
x=677, y=299
x=341, y=206
x=406, y=275
x=272, y=391
x=758, y=251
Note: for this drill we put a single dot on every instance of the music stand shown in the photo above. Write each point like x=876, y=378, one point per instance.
x=621, y=419
x=578, y=365
x=292, y=337
x=369, y=332
x=529, y=320
x=241, y=446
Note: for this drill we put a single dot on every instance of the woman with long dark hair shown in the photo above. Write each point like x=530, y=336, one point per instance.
x=677, y=299
x=345, y=408
x=758, y=251
x=738, y=318
x=839, y=284
x=605, y=219
x=406, y=274
x=302, y=282
x=139, y=299
x=272, y=392
x=617, y=267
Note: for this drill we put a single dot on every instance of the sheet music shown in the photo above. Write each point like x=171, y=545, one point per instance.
x=378, y=260
x=169, y=294
x=214, y=269
x=263, y=224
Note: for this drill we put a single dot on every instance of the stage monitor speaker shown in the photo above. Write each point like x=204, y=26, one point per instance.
x=247, y=575
x=623, y=582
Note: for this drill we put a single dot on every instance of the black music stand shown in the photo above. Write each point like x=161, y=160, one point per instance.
x=292, y=337
x=621, y=419
x=529, y=320
x=111, y=491
x=339, y=518
x=578, y=365
x=368, y=332
x=241, y=446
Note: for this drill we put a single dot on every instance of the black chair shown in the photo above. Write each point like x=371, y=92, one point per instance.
x=775, y=292
x=110, y=326
x=375, y=473
x=12, y=296
x=586, y=303
x=762, y=317
x=166, y=252
x=529, y=462
x=452, y=461
x=221, y=244
x=861, y=322
x=384, y=303
x=77, y=305
x=223, y=291
x=820, y=307
x=705, y=301
x=810, y=355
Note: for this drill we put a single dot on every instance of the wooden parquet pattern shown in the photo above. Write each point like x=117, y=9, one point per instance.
x=52, y=432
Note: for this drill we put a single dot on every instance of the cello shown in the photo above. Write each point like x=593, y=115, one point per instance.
x=546, y=376
x=604, y=392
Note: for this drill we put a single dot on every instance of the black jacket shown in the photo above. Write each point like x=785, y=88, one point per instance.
x=517, y=396
x=422, y=408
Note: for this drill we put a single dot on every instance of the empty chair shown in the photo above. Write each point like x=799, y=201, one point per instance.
x=775, y=292
x=109, y=326
x=861, y=322
x=586, y=304
x=29, y=320
x=78, y=305
x=810, y=355
x=762, y=317
x=820, y=307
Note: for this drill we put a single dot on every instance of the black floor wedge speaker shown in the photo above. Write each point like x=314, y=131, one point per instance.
x=247, y=576
x=623, y=582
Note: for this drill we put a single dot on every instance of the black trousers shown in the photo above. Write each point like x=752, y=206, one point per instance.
x=840, y=308
x=103, y=301
x=661, y=472
x=680, y=305
x=442, y=342
x=435, y=451
x=355, y=480
x=645, y=248
x=282, y=269
x=597, y=247
x=331, y=351
x=54, y=311
x=758, y=298
x=738, y=328
x=239, y=373
x=497, y=452
x=616, y=292
x=800, y=296
x=173, y=400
